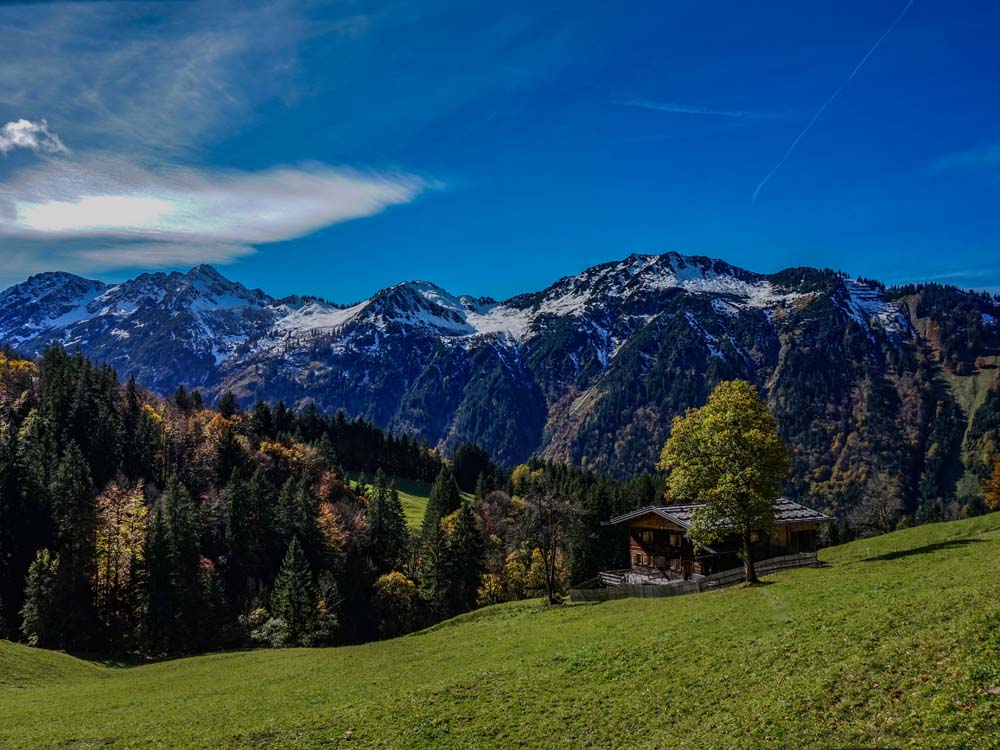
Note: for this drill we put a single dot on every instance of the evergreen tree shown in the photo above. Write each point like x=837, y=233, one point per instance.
x=432, y=567
x=160, y=604
x=41, y=615
x=181, y=399
x=386, y=526
x=249, y=528
x=443, y=500
x=294, y=598
x=464, y=560
x=75, y=514
x=261, y=421
x=470, y=463
x=174, y=586
x=227, y=405
x=295, y=515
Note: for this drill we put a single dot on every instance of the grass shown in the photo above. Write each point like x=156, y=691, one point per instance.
x=413, y=495
x=895, y=643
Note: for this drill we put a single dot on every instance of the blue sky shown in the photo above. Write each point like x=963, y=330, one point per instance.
x=337, y=148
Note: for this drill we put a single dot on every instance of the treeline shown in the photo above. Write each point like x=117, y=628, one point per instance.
x=136, y=524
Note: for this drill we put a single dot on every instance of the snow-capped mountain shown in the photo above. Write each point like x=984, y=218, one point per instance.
x=590, y=369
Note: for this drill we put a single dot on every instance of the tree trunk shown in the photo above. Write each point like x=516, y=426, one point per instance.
x=550, y=578
x=751, y=573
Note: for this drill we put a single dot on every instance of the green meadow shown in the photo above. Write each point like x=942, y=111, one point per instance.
x=895, y=642
x=413, y=495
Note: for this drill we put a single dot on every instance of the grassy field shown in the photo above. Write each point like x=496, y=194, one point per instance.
x=414, y=496
x=895, y=643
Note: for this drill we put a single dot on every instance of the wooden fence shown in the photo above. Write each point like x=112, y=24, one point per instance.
x=616, y=588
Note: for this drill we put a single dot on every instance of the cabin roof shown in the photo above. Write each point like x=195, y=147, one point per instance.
x=786, y=512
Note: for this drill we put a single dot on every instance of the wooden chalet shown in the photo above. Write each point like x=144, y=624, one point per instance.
x=659, y=547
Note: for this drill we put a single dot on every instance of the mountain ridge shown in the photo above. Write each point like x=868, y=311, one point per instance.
x=588, y=370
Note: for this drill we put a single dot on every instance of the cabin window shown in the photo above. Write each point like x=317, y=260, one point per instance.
x=638, y=559
x=675, y=540
x=647, y=537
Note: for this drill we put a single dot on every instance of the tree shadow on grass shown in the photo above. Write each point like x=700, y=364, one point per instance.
x=926, y=549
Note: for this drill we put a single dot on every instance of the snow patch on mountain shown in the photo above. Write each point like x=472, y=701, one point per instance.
x=865, y=304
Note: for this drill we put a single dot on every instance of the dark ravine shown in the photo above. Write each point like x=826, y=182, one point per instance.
x=590, y=370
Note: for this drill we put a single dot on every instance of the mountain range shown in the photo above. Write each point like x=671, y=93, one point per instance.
x=590, y=370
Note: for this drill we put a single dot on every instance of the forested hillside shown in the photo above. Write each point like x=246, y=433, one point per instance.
x=863, y=380
x=131, y=523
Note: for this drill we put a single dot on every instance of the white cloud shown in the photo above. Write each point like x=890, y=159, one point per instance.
x=35, y=136
x=142, y=93
x=102, y=196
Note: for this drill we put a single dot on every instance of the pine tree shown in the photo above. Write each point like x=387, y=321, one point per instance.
x=464, y=560
x=433, y=558
x=386, y=526
x=160, y=605
x=249, y=528
x=443, y=500
x=294, y=598
x=432, y=567
x=262, y=423
x=227, y=405
x=295, y=514
x=174, y=586
x=41, y=616
x=181, y=398
x=75, y=513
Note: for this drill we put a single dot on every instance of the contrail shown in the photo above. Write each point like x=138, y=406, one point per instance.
x=829, y=101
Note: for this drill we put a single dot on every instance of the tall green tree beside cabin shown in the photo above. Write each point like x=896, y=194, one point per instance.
x=728, y=456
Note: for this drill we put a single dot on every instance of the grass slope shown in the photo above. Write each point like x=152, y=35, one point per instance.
x=896, y=643
x=24, y=667
x=413, y=495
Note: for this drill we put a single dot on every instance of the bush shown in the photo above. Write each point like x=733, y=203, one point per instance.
x=397, y=604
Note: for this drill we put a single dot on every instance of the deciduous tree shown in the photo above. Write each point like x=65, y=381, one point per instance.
x=727, y=455
x=880, y=507
x=991, y=486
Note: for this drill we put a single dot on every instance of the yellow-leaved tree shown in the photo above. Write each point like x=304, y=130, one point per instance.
x=121, y=550
x=991, y=486
x=728, y=456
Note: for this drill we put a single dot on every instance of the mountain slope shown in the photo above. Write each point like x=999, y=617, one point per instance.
x=884, y=647
x=589, y=370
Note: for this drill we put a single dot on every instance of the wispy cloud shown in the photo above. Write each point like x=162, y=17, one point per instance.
x=831, y=99
x=171, y=211
x=686, y=109
x=150, y=78
x=34, y=136
x=142, y=92
x=985, y=157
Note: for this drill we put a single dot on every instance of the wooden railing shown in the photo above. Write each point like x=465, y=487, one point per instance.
x=615, y=586
x=613, y=577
